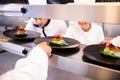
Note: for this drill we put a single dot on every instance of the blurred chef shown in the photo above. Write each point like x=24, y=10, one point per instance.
x=33, y=67
x=46, y=27
x=85, y=32
x=77, y=1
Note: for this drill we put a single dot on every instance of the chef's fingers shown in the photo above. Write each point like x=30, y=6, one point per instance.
x=105, y=42
x=17, y=27
x=45, y=47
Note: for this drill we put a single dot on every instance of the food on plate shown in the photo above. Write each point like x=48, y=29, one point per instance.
x=58, y=40
x=21, y=33
x=113, y=49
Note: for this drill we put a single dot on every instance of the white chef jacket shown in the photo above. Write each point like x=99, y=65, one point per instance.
x=54, y=27
x=94, y=36
x=37, y=2
x=33, y=67
x=78, y=1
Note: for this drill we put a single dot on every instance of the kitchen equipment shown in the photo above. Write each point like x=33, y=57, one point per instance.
x=105, y=13
x=14, y=48
x=92, y=12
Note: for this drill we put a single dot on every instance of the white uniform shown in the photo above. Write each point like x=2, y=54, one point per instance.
x=37, y=2
x=33, y=67
x=54, y=27
x=94, y=36
x=78, y=1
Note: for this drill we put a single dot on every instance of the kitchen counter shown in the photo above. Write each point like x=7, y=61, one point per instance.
x=63, y=65
x=8, y=60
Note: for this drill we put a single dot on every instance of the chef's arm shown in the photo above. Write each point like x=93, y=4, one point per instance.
x=33, y=67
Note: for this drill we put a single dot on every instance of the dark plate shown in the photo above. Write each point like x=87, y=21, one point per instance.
x=92, y=52
x=72, y=43
x=30, y=35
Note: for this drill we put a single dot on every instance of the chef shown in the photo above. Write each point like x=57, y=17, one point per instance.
x=85, y=32
x=33, y=67
x=46, y=27
x=77, y=1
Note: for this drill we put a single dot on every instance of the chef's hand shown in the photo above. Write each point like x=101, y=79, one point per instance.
x=45, y=47
x=17, y=27
x=107, y=42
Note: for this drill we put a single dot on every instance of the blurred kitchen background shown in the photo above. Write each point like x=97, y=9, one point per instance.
x=7, y=61
x=110, y=30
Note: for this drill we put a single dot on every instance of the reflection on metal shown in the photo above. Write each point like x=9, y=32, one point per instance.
x=11, y=9
x=111, y=30
x=10, y=14
x=91, y=71
x=16, y=49
x=12, y=20
x=92, y=12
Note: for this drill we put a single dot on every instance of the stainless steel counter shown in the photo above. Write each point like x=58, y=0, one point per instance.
x=64, y=65
x=8, y=60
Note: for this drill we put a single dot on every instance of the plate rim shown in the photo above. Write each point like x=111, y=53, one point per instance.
x=98, y=60
x=77, y=45
x=22, y=38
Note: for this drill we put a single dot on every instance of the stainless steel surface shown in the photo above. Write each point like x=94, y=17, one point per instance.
x=10, y=14
x=111, y=30
x=8, y=60
x=12, y=47
x=12, y=20
x=11, y=9
x=84, y=69
x=64, y=68
x=59, y=74
x=70, y=66
x=92, y=12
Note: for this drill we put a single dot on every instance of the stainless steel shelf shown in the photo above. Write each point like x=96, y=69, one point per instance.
x=92, y=12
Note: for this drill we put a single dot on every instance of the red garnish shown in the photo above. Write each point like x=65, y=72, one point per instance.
x=21, y=30
x=57, y=38
x=112, y=47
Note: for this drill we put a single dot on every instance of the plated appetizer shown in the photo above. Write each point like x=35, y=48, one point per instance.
x=58, y=40
x=113, y=49
x=21, y=33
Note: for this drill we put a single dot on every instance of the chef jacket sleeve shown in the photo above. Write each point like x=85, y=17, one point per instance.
x=29, y=25
x=33, y=67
